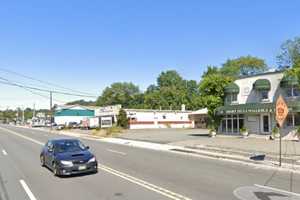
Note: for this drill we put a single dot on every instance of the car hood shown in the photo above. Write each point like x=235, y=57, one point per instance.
x=77, y=155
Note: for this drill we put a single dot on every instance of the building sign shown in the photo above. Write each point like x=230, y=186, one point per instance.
x=247, y=110
x=281, y=110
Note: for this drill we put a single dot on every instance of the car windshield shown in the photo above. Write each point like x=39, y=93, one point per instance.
x=69, y=146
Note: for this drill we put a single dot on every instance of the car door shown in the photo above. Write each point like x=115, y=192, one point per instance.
x=49, y=154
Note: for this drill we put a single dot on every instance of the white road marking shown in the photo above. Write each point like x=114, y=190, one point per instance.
x=27, y=190
x=278, y=190
x=4, y=152
x=142, y=183
x=118, y=152
x=22, y=136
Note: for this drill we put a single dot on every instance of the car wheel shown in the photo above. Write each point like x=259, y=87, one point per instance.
x=42, y=160
x=55, y=170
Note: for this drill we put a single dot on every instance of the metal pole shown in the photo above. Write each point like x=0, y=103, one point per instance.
x=50, y=110
x=280, y=147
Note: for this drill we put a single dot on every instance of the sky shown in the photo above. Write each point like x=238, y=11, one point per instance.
x=87, y=45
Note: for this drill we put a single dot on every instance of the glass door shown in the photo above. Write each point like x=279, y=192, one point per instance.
x=265, y=124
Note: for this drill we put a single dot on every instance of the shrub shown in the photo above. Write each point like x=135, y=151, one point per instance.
x=122, y=119
x=243, y=129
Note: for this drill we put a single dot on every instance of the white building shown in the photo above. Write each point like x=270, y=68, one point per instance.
x=250, y=102
x=144, y=118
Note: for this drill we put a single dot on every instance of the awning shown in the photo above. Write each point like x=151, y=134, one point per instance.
x=252, y=108
x=289, y=81
x=232, y=88
x=246, y=108
x=262, y=84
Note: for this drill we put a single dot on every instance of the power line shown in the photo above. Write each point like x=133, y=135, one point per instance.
x=44, y=82
x=36, y=93
x=8, y=82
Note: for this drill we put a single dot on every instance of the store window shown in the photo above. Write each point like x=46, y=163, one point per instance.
x=231, y=124
x=293, y=119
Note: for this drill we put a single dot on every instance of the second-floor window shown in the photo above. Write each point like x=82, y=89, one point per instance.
x=231, y=98
x=292, y=92
x=264, y=94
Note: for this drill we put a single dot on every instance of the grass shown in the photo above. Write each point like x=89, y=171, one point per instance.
x=107, y=132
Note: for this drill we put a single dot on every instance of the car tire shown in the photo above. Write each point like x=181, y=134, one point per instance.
x=55, y=170
x=42, y=160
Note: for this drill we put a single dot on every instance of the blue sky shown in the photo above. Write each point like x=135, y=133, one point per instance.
x=87, y=45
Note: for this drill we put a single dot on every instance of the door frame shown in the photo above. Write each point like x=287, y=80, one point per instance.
x=262, y=123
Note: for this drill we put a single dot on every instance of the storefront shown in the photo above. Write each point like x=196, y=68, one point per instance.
x=256, y=117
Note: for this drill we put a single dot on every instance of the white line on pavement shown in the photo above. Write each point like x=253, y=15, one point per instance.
x=27, y=190
x=142, y=183
x=118, y=152
x=278, y=190
x=4, y=152
x=22, y=136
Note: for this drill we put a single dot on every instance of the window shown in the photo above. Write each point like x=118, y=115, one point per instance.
x=231, y=98
x=292, y=92
x=264, y=94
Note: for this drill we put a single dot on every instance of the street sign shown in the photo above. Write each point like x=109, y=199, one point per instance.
x=281, y=110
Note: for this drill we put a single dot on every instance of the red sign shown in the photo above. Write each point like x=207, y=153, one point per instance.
x=281, y=110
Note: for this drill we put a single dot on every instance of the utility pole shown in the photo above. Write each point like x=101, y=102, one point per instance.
x=51, y=110
x=23, y=115
x=33, y=114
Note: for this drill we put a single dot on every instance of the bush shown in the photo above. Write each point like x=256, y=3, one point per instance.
x=298, y=131
x=122, y=119
x=243, y=129
x=275, y=132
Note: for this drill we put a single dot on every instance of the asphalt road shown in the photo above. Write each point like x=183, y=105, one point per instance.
x=125, y=173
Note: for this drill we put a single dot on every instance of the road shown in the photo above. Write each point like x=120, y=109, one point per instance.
x=125, y=173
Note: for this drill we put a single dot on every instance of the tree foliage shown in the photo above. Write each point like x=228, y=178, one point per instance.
x=244, y=65
x=122, y=119
x=82, y=102
x=126, y=94
x=290, y=54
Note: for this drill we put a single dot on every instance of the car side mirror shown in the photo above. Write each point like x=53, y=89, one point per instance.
x=87, y=147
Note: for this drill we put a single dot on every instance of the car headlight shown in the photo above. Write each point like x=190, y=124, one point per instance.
x=93, y=159
x=67, y=163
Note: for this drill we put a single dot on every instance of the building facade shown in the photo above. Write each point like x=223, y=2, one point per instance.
x=250, y=103
x=66, y=114
x=146, y=118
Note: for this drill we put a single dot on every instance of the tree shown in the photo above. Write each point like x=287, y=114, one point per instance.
x=119, y=93
x=211, y=70
x=122, y=119
x=290, y=54
x=212, y=93
x=245, y=65
x=169, y=78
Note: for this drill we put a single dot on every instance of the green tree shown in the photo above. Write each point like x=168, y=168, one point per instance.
x=290, y=54
x=122, y=119
x=212, y=93
x=119, y=93
x=245, y=65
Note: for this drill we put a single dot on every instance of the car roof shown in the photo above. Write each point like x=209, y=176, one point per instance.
x=55, y=140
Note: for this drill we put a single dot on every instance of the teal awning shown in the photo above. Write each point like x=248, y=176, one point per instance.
x=74, y=112
x=262, y=84
x=289, y=81
x=232, y=88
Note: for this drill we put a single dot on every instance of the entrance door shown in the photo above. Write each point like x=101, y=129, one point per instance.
x=265, y=124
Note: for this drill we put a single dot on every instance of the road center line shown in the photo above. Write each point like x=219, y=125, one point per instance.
x=118, y=152
x=142, y=183
x=4, y=152
x=27, y=190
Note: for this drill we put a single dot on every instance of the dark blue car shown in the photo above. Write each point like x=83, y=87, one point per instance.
x=67, y=157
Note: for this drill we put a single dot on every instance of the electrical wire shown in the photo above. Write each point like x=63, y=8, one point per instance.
x=44, y=82
x=9, y=82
